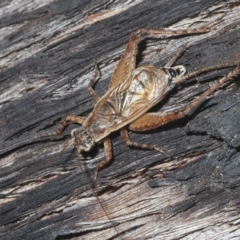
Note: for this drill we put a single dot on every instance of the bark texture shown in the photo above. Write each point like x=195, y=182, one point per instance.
x=46, y=61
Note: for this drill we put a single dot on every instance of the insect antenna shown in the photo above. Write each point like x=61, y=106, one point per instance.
x=95, y=194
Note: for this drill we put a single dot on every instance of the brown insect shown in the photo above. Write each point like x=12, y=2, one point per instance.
x=133, y=91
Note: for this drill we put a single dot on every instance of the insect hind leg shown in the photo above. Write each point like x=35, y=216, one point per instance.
x=151, y=121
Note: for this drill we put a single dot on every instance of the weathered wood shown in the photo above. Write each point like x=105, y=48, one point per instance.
x=47, y=51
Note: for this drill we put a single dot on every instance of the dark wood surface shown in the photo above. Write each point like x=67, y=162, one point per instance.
x=46, y=61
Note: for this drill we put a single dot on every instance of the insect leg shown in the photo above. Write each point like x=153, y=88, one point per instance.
x=127, y=62
x=93, y=81
x=127, y=140
x=198, y=72
x=166, y=33
x=108, y=151
x=176, y=56
x=67, y=120
x=153, y=120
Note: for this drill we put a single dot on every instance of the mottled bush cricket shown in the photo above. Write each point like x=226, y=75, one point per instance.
x=133, y=91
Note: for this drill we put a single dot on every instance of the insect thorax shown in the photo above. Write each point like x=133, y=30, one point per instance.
x=82, y=140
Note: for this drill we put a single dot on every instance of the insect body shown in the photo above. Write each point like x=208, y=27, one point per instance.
x=133, y=91
x=121, y=105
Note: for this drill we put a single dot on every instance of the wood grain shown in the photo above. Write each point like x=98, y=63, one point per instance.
x=46, y=61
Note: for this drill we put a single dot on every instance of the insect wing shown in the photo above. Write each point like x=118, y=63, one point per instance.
x=127, y=101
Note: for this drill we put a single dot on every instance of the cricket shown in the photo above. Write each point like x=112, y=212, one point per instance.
x=132, y=93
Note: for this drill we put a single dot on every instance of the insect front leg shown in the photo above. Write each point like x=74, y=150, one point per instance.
x=108, y=152
x=66, y=121
x=127, y=140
